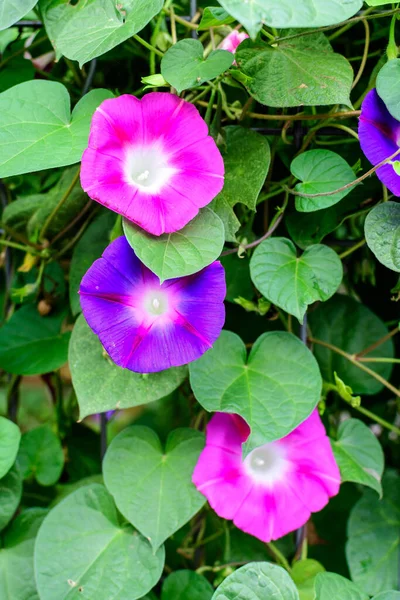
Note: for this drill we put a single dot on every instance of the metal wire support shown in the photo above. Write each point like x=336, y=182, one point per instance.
x=193, y=11
x=90, y=75
x=103, y=434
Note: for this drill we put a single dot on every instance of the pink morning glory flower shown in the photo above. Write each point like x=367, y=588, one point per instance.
x=152, y=161
x=232, y=41
x=380, y=138
x=147, y=327
x=277, y=486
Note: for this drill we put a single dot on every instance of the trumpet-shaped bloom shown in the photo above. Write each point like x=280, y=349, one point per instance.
x=380, y=138
x=277, y=486
x=152, y=161
x=232, y=41
x=148, y=327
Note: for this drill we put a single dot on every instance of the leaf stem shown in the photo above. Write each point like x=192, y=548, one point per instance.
x=359, y=244
x=365, y=54
x=279, y=556
x=180, y=20
x=375, y=345
x=61, y=202
x=148, y=46
x=378, y=419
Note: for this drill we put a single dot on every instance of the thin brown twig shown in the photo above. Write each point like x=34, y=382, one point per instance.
x=365, y=54
x=256, y=242
x=375, y=345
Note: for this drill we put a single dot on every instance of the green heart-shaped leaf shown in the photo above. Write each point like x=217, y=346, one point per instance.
x=10, y=495
x=184, y=65
x=292, y=282
x=88, y=28
x=101, y=385
x=359, y=454
x=153, y=488
x=37, y=129
x=186, y=585
x=84, y=548
x=41, y=455
x=10, y=436
x=13, y=10
x=253, y=14
x=181, y=253
x=320, y=171
x=303, y=573
x=331, y=585
x=257, y=581
x=274, y=389
x=382, y=232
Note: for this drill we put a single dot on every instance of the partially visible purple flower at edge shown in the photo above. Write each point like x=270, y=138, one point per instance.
x=380, y=138
x=274, y=490
x=232, y=41
x=147, y=327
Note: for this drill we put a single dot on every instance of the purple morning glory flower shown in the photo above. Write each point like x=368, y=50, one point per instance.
x=379, y=138
x=147, y=327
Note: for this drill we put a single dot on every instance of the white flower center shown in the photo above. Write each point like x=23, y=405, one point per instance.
x=147, y=167
x=267, y=464
x=156, y=303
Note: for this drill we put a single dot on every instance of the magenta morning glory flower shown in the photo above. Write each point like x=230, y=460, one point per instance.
x=148, y=327
x=232, y=41
x=277, y=486
x=380, y=138
x=152, y=161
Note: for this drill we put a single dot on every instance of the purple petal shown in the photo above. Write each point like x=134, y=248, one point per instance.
x=379, y=138
x=147, y=327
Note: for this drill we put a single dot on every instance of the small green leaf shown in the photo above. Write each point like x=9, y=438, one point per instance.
x=184, y=65
x=247, y=158
x=153, y=487
x=10, y=495
x=186, y=585
x=373, y=543
x=257, y=581
x=10, y=436
x=41, y=455
x=388, y=86
x=214, y=17
x=359, y=454
x=17, y=579
x=352, y=327
x=100, y=385
x=37, y=129
x=181, y=253
x=331, y=585
x=303, y=574
x=345, y=392
x=303, y=71
x=292, y=282
x=274, y=389
x=320, y=171
x=31, y=344
x=253, y=14
x=91, y=246
x=83, y=548
x=382, y=232
x=13, y=10
x=83, y=30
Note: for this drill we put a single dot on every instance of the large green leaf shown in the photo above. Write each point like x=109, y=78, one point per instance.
x=37, y=129
x=274, y=389
x=303, y=71
x=181, y=253
x=214, y=17
x=91, y=246
x=373, y=546
x=88, y=28
x=345, y=323
x=359, y=454
x=17, y=580
x=320, y=171
x=10, y=495
x=41, y=455
x=31, y=344
x=153, y=487
x=13, y=10
x=100, y=385
x=303, y=574
x=253, y=14
x=184, y=65
x=388, y=87
x=382, y=232
x=293, y=282
x=186, y=585
x=257, y=581
x=82, y=548
x=10, y=436
x=329, y=586
x=247, y=158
